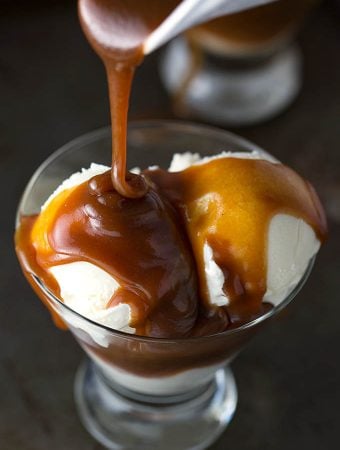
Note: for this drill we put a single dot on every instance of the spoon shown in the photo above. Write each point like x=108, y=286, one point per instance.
x=193, y=12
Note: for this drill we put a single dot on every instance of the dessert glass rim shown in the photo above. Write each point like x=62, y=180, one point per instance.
x=178, y=126
x=93, y=135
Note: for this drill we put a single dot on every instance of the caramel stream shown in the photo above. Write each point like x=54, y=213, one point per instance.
x=148, y=231
x=117, y=29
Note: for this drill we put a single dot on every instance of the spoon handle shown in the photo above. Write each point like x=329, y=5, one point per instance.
x=193, y=12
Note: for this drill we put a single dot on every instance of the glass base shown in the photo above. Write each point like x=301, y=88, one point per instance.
x=230, y=91
x=121, y=419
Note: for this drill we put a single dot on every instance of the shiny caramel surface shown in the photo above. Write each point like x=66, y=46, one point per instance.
x=291, y=369
x=228, y=203
x=148, y=231
x=153, y=246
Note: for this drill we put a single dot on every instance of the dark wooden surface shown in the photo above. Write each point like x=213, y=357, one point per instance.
x=52, y=89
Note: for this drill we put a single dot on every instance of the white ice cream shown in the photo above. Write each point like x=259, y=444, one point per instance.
x=87, y=289
x=291, y=242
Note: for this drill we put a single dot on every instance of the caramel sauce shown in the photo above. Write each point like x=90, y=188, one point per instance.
x=148, y=231
x=30, y=265
x=138, y=241
x=229, y=203
x=153, y=246
x=117, y=29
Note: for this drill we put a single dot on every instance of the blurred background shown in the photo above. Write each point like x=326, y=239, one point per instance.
x=52, y=89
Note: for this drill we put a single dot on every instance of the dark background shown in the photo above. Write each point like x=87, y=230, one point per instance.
x=52, y=89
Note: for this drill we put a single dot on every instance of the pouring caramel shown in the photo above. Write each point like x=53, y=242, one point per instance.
x=117, y=30
x=148, y=231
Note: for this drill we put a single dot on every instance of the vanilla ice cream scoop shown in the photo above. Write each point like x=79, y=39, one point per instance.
x=84, y=287
x=253, y=227
x=120, y=262
x=291, y=242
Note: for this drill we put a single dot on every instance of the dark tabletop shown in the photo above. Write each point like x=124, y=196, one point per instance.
x=52, y=89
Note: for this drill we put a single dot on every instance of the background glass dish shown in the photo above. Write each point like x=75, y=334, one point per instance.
x=239, y=69
x=123, y=400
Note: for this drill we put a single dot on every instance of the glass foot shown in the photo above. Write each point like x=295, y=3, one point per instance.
x=230, y=91
x=121, y=419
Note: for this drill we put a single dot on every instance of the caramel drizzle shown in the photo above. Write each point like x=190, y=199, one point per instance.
x=228, y=203
x=153, y=246
x=148, y=231
x=117, y=29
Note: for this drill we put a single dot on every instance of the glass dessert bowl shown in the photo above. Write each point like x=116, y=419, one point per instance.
x=135, y=391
